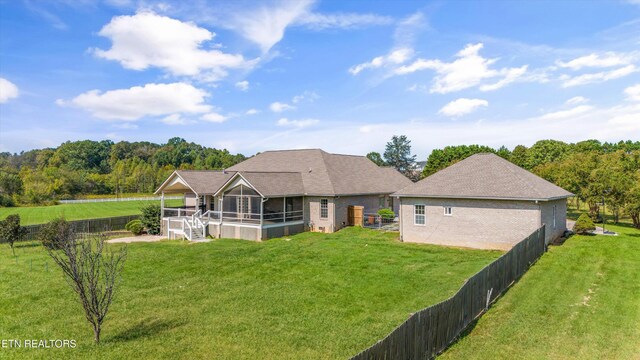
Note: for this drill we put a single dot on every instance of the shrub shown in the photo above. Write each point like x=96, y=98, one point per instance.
x=6, y=201
x=386, y=213
x=150, y=218
x=54, y=233
x=583, y=225
x=135, y=226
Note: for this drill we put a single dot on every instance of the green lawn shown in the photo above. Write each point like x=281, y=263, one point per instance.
x=580, y=301
x=43, y=214
x=310, y=296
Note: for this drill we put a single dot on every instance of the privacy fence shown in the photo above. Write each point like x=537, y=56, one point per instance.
x=87, y=226
x=430, y=331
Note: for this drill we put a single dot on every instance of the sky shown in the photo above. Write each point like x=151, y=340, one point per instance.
x=343, y=76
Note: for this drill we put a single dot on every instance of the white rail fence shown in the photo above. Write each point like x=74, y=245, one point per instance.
x=145, y=198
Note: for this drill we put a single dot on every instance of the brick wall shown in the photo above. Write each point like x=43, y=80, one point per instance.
x=490, y=224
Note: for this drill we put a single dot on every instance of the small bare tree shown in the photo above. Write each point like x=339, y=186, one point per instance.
x=92, y=271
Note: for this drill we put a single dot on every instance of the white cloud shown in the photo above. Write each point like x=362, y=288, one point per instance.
x=309, y=96
x=319, y=21
x=8, y=90
x=139, y=101
x=569, y=81
x=576, y=100
x=468, y=70
x=147, y=39
x=175, y=119
x=297, y=123
x=462, y=106
x=280, y=107
x=395, y=57
x=265, y=25
x=566, y=114
x=607, y=59
x=214, y=117
x=633, y=93
x=510, y=75
x=242, y=85
x=252, y=112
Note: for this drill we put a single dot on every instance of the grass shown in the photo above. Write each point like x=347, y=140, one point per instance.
x=310, y=296
x=580, y=301
x=43, y=214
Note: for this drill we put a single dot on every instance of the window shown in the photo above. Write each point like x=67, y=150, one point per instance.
x=554, y=216
x=448, y=211
x=324, y=208
x=419, y=215
x=381, y=202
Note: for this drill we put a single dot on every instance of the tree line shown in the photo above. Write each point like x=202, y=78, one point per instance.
x=592, y=170
x=100, y=167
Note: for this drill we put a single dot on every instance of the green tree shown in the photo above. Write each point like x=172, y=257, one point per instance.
x=546, y=151
x=632, y=203
x=397, y=153
x=11, y=231
x=150, y=218
x=376, y=158
x=519, y=156
x=440, y=159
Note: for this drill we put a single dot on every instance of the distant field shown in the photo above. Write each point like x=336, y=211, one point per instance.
x=580, y=301
x=43, y=214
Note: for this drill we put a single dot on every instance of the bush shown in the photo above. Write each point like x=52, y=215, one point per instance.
x=150, y=218
x=6, y=201
x=54, y=233
x=135, y=226
x=386, y=213
x=583, y=225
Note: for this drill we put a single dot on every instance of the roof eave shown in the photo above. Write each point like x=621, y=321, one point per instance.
x=481, y=197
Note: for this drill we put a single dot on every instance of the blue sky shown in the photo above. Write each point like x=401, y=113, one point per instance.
x=343, y=76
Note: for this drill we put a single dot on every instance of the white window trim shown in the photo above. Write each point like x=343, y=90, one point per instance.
x=445, y=210
x=424, y=215
x=324, y=217
x=555, y=214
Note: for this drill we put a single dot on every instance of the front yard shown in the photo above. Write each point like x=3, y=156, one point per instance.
x=580, y=301
x=310, y=296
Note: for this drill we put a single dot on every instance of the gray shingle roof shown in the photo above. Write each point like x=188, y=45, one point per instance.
x=302, y=172
x=275, y=183
x=323, y=173
x=204, y=181
x=485, y=176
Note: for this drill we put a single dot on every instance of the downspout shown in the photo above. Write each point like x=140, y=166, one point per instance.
x=400, y=222
x=262, y=215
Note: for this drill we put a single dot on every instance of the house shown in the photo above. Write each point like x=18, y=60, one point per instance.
x=277, y=193
x=483, y=201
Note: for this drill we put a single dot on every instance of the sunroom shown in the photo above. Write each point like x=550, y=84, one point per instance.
x=248, y=205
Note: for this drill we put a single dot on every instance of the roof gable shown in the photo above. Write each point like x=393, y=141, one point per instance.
x=485, y=176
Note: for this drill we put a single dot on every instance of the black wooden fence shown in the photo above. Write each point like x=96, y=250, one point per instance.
x=430, y=331
x=89, y=226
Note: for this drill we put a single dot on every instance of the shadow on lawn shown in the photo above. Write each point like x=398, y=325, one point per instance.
x=146, y=328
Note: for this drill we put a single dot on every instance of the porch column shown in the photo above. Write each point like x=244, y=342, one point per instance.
x=162, y=205
x=261, y=213
x=284, y=209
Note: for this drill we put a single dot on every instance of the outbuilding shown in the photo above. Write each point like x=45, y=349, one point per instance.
x=483, y=201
